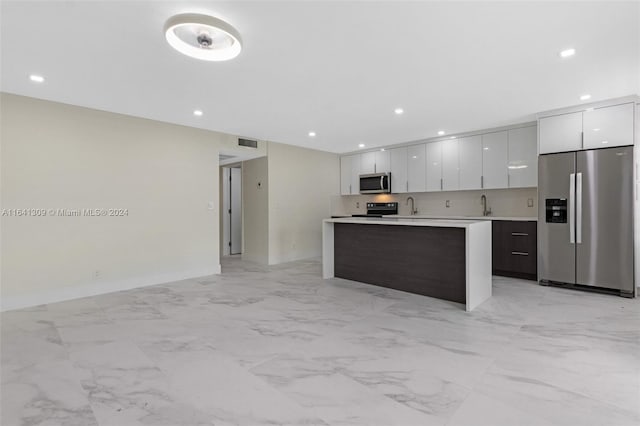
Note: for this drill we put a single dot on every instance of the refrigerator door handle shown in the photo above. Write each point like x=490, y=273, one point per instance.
x=572, y=206
x=579, y=208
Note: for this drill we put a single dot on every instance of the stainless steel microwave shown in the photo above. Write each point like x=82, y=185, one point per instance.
x=375, y=183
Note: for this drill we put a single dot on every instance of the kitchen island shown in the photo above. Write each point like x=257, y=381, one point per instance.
x=446, y=259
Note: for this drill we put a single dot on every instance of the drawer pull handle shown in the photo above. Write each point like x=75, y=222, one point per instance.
x=520, y=253
x=524, y=234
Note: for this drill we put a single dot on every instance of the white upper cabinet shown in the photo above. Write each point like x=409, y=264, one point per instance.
x=367, y=163
x=450, y=165
x=610, y=126
x=434, y=166
x=398, y=161
x=416, y=168
x=494, y=160
x=523, y=158
x=350, y=174
x=470, y=162
x=383, y=161
x=561, y=133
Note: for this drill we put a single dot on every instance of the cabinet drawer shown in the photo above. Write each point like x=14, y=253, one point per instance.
x=514, y=248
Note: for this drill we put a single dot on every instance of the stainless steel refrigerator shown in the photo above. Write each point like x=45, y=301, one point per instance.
x=585, y=221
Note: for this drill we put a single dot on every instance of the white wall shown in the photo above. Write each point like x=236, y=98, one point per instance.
x=255, y=210
x=57, y=156
x=503, y=202
x=301, y=184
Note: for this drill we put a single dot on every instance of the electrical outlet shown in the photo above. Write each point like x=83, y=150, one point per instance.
x=447, y=204
x=357, y=204
x=530, y=202
x=97, y=274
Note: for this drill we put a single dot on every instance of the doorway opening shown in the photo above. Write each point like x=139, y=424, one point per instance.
x=231, y=210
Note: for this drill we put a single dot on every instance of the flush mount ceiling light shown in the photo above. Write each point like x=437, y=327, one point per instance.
x=441, y=132
x=312, y=134
x=36, y=78
x=202, y=37
x=197, y=113
x=360, y=145
x=585, y=97
x=398, y=111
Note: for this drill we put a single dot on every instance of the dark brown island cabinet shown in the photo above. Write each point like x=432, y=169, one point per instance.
x=515, y=249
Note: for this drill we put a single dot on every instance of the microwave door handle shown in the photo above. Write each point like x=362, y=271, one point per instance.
x=382, y=182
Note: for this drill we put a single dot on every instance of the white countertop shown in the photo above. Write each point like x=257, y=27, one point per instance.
x=408, y=221
x=512, y=218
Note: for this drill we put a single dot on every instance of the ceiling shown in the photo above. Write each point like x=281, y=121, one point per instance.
x=336, y=68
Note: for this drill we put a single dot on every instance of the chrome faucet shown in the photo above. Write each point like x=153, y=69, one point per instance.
x=413, y=209
x=485, y=211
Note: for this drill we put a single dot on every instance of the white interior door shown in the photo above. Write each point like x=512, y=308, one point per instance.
x=236, y=210
x=226, y=208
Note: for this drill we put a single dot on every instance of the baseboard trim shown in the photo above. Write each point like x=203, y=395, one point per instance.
x=95, y=289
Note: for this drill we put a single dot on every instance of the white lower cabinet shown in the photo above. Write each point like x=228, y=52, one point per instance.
x=450, y=165
x=416, y=168
x=523, y=157
x=470, y=162
x=494, y=160
x=398, y=169
x=350, y=174
x=434, y=166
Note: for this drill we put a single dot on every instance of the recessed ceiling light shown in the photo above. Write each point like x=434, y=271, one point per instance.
x=202, y=37
x=585, y=97
x=36, y=78
x=197, y=113
x=567, y=52
x=312, y=134
x=360, y=145
x=398, y=111
x=441, y=132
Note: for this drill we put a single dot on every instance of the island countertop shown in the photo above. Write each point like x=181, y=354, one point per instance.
x=444, y=258
x=407, y=221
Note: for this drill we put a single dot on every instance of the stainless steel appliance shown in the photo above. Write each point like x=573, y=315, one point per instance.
x=379, y=210
x=375, y=183
x=585, y=229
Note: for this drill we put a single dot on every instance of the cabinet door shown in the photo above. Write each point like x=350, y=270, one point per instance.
x=561, y=133
x=383, y=162
x=494, y=160
x=416, y=169
x=367, y=162
x=609, y=126
x=470, y=162
x=450, y=165
x=523, y=158
x=434, y=166
x=345, y=175
x=350, y=174
x=398, y=160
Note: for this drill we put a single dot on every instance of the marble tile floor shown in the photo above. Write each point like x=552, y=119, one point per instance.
x=279, y=345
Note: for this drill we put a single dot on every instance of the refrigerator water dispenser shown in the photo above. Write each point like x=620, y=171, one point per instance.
x=556, y=210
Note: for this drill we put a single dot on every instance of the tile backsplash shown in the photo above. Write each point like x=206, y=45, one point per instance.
x=516, y=202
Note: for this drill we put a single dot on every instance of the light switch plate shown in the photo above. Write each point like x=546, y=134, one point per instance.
x=530, y=202
x=447, y=204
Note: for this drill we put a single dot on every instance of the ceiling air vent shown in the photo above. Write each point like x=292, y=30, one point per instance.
x=247, y=142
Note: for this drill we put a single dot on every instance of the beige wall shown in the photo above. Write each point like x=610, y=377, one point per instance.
x=57, y=156
x=255, y=210
x=503, y=202
x=301, y=184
